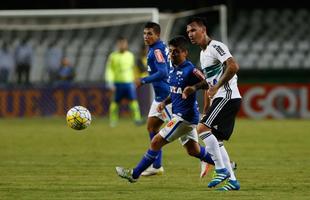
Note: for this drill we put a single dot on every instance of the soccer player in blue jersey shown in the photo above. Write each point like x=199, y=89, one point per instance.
x=158, y=67
x=185, y=113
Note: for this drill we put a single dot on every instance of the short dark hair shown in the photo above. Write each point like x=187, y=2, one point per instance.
x=154, y=26
x=199, y=20
x=120, y=38
x=179, y=42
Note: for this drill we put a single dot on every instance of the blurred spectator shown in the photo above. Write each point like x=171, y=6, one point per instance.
x=141, y=72
x=141, y=63
x=119, y=76
x=66, y=72
x=23, y=58
x=7, y=63
x=53, y=58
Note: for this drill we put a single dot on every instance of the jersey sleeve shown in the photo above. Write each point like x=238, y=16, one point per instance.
x=159, y=57
x=109, y=74
x=161, y=67
x=221, y=52
x=197, y=76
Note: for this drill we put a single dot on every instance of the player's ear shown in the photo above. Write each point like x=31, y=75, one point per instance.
x=185, y=52
x=204, y=29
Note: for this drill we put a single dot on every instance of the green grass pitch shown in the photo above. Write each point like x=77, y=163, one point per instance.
x=42, y=158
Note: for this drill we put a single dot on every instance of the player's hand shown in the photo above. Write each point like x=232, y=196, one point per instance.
x=212, y=91
x=138, y=83
x=160, y=107
x=188, y=91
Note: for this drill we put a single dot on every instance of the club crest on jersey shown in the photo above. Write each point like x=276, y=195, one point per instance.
x=159, y=56
x=174, y=89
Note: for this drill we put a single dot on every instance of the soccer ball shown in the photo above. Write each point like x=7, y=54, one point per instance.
x=78, y=118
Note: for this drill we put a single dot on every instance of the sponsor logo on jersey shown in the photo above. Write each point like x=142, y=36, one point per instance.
x=219, y=50
x=214, y=81
x=174, y=89
x=159, y=56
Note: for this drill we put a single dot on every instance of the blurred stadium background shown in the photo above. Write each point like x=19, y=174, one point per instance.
x=269, y=41
x=41, y=158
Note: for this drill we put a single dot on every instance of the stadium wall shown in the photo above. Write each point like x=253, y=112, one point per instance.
x=46, y=100
x=273, y=100
x=265, y=100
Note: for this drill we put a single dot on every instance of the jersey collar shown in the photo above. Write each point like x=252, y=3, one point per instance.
x=180, y=66
x=155, y=43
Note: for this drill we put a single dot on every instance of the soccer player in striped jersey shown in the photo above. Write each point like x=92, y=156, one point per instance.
x=222, y=100
x=185, y=113
x=158, y=67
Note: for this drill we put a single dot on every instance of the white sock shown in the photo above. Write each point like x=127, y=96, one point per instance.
x=226, y=161
x=212, y=147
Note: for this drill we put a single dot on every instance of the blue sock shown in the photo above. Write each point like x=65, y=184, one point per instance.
x=145, y=162
x=205, y=156
x=157, y=162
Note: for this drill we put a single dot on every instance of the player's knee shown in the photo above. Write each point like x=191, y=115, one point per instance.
x=155, y=144
x=202, y=128
x=153, y=126
x=192, y=152
x=150, y=128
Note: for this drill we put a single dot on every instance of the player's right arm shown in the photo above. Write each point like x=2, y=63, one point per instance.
x=206, y=102
x=162, y=104
x=109, y=74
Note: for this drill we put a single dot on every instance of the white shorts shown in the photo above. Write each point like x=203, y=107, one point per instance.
x=165, y=115
x=176, y=128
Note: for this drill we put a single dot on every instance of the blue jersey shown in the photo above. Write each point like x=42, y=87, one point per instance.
x=179, y=78
x=158, y=68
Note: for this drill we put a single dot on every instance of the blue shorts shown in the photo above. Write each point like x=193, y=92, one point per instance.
x=125, y=91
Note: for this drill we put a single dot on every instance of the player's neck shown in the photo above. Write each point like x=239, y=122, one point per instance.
x=179, y=63
x=205, y=43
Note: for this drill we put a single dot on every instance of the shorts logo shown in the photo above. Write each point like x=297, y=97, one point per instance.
x=171, y=123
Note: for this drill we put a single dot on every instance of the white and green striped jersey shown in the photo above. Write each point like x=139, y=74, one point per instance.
x=212, y=63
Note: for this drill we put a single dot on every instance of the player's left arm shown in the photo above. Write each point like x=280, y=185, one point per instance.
x=200, y=81
x=232, y=68
x=222, y=53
